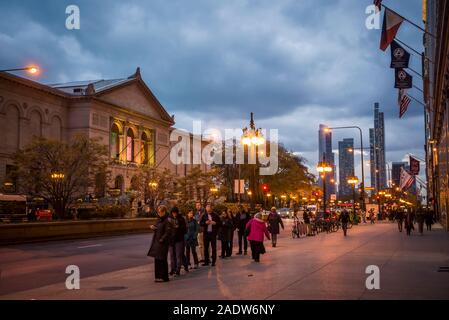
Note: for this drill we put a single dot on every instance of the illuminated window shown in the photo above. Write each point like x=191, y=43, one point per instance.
x=130, y=145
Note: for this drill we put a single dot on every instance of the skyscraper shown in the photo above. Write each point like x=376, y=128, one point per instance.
x=377, y=151
x=396, y=172
x=345, y=166
x=325, y=152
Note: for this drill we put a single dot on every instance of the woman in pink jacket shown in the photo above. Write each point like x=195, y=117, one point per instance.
x=257, y=230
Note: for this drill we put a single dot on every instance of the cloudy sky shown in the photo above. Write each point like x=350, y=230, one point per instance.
x=294, y=63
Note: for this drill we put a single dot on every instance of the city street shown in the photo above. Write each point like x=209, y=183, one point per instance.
x=327, y=266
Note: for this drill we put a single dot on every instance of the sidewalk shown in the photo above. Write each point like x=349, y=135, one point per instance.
x=327, y=266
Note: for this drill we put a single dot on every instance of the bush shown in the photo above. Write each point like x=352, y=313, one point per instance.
x=103, y=212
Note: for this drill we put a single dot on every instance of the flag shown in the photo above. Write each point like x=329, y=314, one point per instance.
x=400, y=58
x=403, y=101
x=406, y=180
x=392, y=22
x=414, y=166
x=402, y=79
x=378, y=4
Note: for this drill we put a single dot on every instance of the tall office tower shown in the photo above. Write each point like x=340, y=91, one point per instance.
x=325, y=151
x=396, y=172
x=345, y=166
x=377, y=151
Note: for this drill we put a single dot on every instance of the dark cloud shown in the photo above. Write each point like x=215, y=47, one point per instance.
x=296, y=64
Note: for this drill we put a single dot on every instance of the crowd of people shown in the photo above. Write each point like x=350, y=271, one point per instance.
x=190, y=239
x=406, y=218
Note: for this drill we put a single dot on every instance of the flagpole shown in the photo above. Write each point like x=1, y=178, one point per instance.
x=418, y=88
x=412, y=23
x=417, y=100
x=411, y=48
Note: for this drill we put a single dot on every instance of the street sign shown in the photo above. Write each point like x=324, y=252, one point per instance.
x=239, y=186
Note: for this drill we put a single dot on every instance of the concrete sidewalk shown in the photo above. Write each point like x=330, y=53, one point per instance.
x=327, y=266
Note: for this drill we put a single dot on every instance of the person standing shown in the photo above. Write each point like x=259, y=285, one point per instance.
x=371, y=216
x=199, y=212
x=191, y=239
x=420, y=217
x=306, y=218
x=177, y=246
x=399, y=218
x=232, y=216
x=344, y=219
x=409, y=221
x=429, y=219
x=160, y=244
x=210, y=222
x=225, y=234
x=274, y=221
x=241, y=220
x=257, y=229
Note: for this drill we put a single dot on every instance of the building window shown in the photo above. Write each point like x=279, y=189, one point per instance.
x=115, y=142
x=130, y=145
x=147, y=148
x=118, y=184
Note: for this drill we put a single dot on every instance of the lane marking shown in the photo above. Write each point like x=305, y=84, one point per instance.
x=90, y=246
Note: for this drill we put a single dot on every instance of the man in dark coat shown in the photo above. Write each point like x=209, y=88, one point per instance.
x=274, y=221
x=399, y=218
x=225, y=234
x=344, y=219
x=241, y=219
x=177, y=244
x=210, y=222
x=159, y=245
x=409, y=221
x=429, y=219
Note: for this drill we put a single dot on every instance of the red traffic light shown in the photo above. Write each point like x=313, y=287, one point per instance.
x=265, y=188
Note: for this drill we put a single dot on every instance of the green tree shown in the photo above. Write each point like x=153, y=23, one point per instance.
x=59, y=172
x=198, y=185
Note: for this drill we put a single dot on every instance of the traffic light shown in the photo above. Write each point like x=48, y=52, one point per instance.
x=265, y=188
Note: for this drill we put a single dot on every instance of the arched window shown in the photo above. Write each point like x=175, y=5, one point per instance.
x=35, y=124
x=130, y=145
x=56, y=129
x=144, y=148
x=10, y=129
x=118, y=183
x=115, y=141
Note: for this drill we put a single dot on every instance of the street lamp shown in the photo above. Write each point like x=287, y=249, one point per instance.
x=31, y=69
x=361, y=157
x=323, y=168
x=251, y=136
x=353, y=181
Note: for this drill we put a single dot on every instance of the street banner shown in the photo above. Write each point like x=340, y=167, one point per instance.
x=406, y=179
x=414, y=166
x=402, y=79
x=239, y=186
x=390, y=27
x=400, y=58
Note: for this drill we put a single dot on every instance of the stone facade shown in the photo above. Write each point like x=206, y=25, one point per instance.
x=124, y=114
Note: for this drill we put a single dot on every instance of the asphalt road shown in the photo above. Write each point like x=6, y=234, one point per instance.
x=28, y=266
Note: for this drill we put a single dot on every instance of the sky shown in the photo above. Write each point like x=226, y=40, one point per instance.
x=295, y=64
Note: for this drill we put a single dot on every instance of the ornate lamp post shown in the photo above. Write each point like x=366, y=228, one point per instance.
x=353, y=181
x=252, y=137
x=323, y=168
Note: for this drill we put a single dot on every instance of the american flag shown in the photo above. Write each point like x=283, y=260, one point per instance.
x=406, y=180
x=378, y=4
x=403, y=101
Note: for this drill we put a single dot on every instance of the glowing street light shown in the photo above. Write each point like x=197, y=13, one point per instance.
x=31, y=69
x=153, y=184
x=353, y=181
x=57, y=176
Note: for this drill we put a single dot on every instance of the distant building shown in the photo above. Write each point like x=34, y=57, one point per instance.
x=396, y=172
x=377, y=151
x=345, y=166
x=325, y=152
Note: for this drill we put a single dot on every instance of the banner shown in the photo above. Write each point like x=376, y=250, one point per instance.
x=402, y=79
x=400, y=58
x=414, y=166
